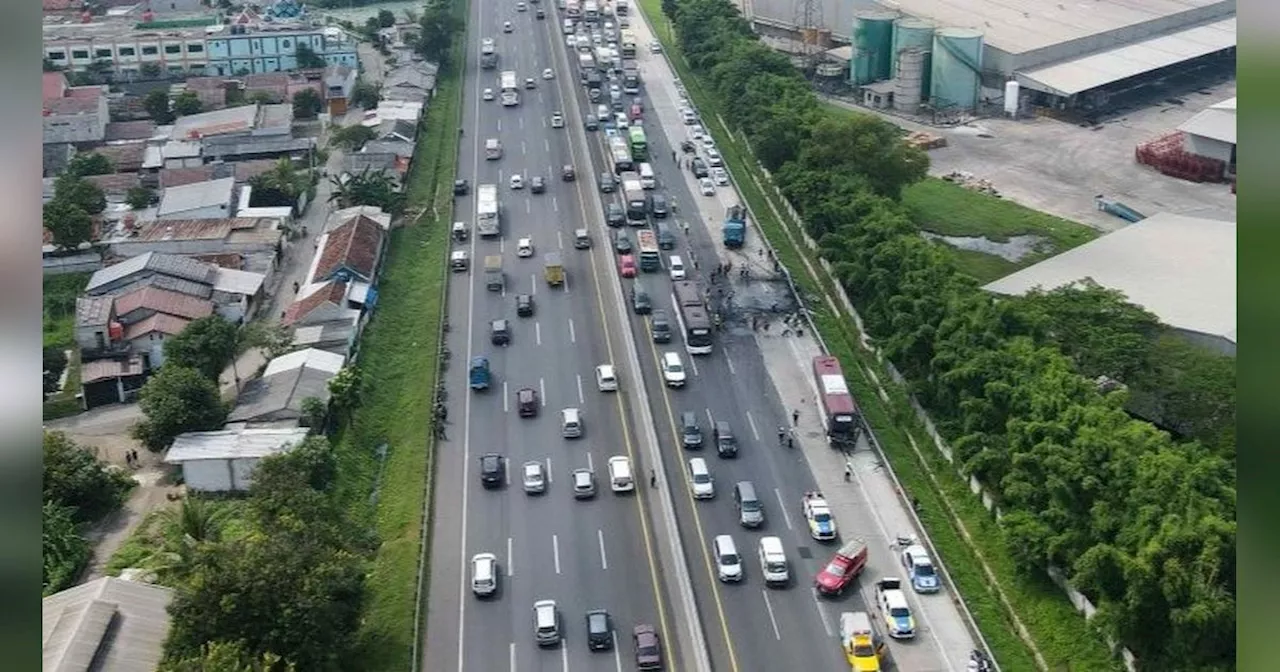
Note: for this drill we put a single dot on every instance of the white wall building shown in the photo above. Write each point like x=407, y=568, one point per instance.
x=224, y=460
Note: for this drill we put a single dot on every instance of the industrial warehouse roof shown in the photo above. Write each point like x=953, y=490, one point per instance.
x=1216, y=123
x=230, y=444
x=109, y=624
x=1090, y=72
x=1014, y=26
x=1182, y=269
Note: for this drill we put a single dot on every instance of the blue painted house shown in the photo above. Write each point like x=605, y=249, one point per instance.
x=243, y=50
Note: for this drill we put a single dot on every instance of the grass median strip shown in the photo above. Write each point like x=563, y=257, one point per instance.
x=1060, y=634
x=400, y=363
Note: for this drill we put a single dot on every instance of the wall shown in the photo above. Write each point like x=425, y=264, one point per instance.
x=219, y=211
x=1208, y=147
x=162, y=7
x=153, y=345
x=208, y=475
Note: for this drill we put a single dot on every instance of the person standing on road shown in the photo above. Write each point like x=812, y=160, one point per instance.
x=848, y=472
x=653, y=479
x=795, y=416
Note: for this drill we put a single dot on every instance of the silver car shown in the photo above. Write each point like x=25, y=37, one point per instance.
x=584, y=484
x=535, y=478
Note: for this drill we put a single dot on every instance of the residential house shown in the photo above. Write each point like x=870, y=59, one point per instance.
x=53, y=86
x=232, y=120
x=224, y=460
x=322, y=302
x=242, y=171
x=115, y=186
x=174, y=154
x=350, y=252
x=201, y=200
x=339, y=217
x=121, y=132
x=81, y=262
x=399, y=130
x=211, y=91
x=414, y=81
x=112, y=381
x=144, y=302
x=108, y=624
x=358, y=162
x=390, y=110
x=276, y=397
x=233, y=148
x=80, y=116
x=339, y=83
x=201, y=236
x=97, y=331
x=235, y=294
x=147, y=337
x=339, y=336
x=55, y=157
x=127, y=158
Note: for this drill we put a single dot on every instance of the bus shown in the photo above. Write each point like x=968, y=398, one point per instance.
x=691, y=313
x=510, y=88
x=573, y=9
x=620, y=152
x=838, y=408
x=628, y=42
x=639, y=144
x=591, y=10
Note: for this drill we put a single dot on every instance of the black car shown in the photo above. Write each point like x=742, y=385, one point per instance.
x=500, y=332
x=599, y=630
x=567, y=173
x=524, y=305
x=540, y=14
x=607, y=183
x=687, y=147
x=622, y=243
x=491, y=468
x=591, y=123
x=527, y=402
x=660, y=326
x=614, y=215
x=537, y=185
x=690, y=432
x=726, y=444
x=640, y=301
x=700, y=167
x=658, y=206
x=461, y=187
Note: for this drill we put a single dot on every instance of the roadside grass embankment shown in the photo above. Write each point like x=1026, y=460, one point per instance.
x=964, y=533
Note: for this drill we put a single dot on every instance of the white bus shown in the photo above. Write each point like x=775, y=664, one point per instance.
x=510, y=89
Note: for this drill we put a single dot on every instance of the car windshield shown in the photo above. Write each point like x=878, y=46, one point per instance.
x=776, y=566
x=835, y=569
x=924, y=569
x=821, y=517
x=863, y=650
x=701, y=478
x=729, y=559
x=674, y=368
x=899, y=612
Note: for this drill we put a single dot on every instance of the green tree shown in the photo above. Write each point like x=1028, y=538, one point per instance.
x=139, y=197
x=280, y=186
x=308, y=59
x=439, y=26
x=81, y=192
x=366, y=94
x=187, y=103
x=352, y=138
x=156, y=103
x=386, y=18
x=307, y=104
x=1192, y=390
x=182, y=532
x=89, y=163
x=151, y=71
x=314, y=412
x=367, y=188
x=69, y=224
x=65, y=550
x=177, y=400
x=346, y=389
x=73, y=477
x=868, y=146
x=227, y=657
x=207, y=345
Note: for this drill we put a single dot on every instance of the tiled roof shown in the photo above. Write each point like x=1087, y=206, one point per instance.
x=330, y=292
x=165, y=324
x=102, y=369
x=117, y=183
x=52, y=84
x=71, y=106
x=130, y=130
x=177, y=177
x=164, y=301
x=354, y=245
x=232, y=260
x=92, y=310
x=125, y=158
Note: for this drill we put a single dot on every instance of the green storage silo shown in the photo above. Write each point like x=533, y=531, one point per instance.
x=872, y=46
x=909, y=33
x=956, y=67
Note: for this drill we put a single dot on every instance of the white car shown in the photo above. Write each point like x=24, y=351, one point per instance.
x=713, y=155
x=521, y=7
x=700, y=481
x=584, y=483
x=720, y=176
x=672, y=370
x=484, y=574
x=655, y=47
x=535, y=479
x=557, y=120
x=707, y=187
x=708, y=142
x=676, y=266
x=548, y=74
x=614, y=89
x=517, y=182
x=506, y=27
x=606, y=378
x=487, y=95
x=486, y=42
x=524, y=248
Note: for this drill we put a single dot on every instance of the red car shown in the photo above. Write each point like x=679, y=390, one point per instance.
x=627, y=266
x=636, y=113
x=843, y=568
x=648, y=648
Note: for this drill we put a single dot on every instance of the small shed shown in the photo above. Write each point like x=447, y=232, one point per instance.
x=224, y=460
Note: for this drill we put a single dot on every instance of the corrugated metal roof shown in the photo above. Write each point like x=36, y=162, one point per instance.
x=169, y=325
x=233, y=444
x=235, y=281
x=197, y=195
x=164, y=301
x=1090, y=72
x=101, y=369
x=168, y=264
x=107, y=624
x=309, y=358
x=1182, y=269
x=1217, y=123
x=229, y=120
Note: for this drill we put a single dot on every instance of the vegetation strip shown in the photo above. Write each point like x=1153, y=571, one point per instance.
x=1049, y=617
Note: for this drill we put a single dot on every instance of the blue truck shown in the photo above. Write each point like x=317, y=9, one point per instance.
x=479, y=374
x=735, y=227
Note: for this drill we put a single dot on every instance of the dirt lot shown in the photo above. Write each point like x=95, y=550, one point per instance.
x=1058, y=168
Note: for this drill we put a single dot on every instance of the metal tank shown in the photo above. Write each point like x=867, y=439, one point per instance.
x=908, y=86
x=909, y=33
x=1011, y=89
x=954, y=68
x=872, y=46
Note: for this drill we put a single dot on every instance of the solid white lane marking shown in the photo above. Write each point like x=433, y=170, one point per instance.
x=769, y=608
x=546, y=144
x=555, y=205
x=542, y=391
x=499, y=127
x=693, y=364
x=513, y=657
x=711, y=419
x=751, y=422
x=590, y=466
x=564, y=653
x=782, y=506
x=560, y=239
x=528, y=207
x=502, y=245
x=555, y=551
x=604, y=560
x=582, y=400
x=506, y=471
x=617, y=655
x=511, y=567
x=533, y=284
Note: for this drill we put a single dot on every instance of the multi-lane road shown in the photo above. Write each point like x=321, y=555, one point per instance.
x=604, y=552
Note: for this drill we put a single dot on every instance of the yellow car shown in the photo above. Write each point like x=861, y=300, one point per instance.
x=862, y=647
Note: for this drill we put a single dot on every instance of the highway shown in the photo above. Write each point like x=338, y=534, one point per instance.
x=585, y=554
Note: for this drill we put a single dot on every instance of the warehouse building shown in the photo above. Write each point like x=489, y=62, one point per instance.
x=1212, y=134
x=964, y=53
x=1182, y=269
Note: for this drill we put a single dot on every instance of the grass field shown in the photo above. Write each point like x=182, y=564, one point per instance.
x=59, y=303
x=400, y=362
x=1059, y=633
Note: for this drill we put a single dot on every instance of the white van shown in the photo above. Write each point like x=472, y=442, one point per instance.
x=492, y=149
x=728, y=562
x=700, y=481
x=676, y=265
x=773, y=561
x=620, y=479
x=606, y=378
x=647, y=179
x=570, y=423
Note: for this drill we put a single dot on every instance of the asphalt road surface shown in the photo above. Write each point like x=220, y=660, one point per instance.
x=584, y=554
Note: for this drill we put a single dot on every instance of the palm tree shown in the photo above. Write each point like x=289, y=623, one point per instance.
x=280, y=186
x=184, y=530
x=367, y=188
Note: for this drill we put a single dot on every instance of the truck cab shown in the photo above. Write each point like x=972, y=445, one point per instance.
x=735, y=227
x=478, y=374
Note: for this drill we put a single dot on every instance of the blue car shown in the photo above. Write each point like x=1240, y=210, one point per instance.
x=479, y=373
x=920, y=569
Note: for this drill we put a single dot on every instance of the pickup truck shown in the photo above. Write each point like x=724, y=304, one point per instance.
x=822, y=524
x=863, y=648
x=894, y=610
